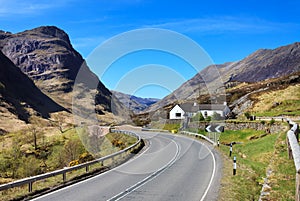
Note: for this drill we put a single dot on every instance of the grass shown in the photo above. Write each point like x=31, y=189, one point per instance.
x=113, y=142
x=279, y=102
x=254, y=157
x=169, y=127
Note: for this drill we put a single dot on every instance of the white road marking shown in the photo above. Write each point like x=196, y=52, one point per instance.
x=149, y=178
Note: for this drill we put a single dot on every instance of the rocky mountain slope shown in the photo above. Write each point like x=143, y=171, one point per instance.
x=46, y=55
x=20, y=98
x=135, y=104
x=261, y=65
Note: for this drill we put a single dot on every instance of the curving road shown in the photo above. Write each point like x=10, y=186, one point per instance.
x=171, y=168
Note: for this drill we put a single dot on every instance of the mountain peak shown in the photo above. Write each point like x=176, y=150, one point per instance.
x=46, y=55
x=49, y=31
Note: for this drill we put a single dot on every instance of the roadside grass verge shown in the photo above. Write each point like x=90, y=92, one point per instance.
x=169, y=127
x=57, y=146
x=254, y=157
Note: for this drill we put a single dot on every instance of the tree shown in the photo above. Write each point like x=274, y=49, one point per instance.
x=59, y=119
x=216, y=116
x=34, y=133
x=12, y=158
x=72, y=150
x=198, y=117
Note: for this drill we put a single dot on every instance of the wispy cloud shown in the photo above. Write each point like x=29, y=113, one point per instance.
x=221, y=25
x=13, y=7
x=90, y=20
x=85, y=41
x=87, y=44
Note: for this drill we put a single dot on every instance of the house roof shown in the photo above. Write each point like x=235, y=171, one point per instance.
x=192, y=107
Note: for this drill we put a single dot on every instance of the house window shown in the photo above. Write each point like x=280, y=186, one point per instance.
x=177, y=114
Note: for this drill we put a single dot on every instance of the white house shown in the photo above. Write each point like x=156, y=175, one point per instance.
x=177, y=113
x=191, y=109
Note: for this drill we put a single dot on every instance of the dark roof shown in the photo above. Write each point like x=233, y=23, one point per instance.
x=191, y=107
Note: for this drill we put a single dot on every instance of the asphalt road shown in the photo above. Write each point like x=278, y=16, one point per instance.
x=170, y=168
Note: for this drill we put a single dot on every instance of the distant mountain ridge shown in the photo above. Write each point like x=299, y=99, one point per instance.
x=260, y=65
x=134, y=103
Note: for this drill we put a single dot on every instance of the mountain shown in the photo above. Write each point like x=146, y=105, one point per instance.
x=261, y=65
x=136, y=104
x=45, y=54
x=20, y=98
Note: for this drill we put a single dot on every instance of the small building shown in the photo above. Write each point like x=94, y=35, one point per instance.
x=177, y=113
x=191, y=109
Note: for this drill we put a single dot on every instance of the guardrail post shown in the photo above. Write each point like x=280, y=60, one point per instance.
x=296, y=131
x=87, y=168
x=297, y=194
x=30, y=187
x=290, y=154
x=64, y=177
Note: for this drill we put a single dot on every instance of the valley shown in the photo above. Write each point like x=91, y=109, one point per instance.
x=45, y=108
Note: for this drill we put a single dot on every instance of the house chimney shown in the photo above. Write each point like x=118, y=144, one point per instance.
x=195, y=104
x=225, y=103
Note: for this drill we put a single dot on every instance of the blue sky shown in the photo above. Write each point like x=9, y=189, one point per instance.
x=226, y=30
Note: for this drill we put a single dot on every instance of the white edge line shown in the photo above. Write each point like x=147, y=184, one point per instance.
x=212, y=176
x=214, y=162
x=148, y=179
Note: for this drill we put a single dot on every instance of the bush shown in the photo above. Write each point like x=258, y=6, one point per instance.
x=198, y=117
x=272, y=121
x=85, y=157
x=29, y=166
x=208, y=118
x=216, y=116
x=247, y=115
x=73, y=163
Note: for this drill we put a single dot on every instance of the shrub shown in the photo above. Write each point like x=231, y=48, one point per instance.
x=216, y=116
x=85, y=157
x=247, y=115
x=73, y=163
x=272, y=121
x=208, y=118
x=198, y=117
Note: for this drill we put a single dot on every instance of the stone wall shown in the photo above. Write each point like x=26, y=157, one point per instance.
x=274, y=128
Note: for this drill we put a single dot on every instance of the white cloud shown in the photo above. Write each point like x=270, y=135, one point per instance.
x=224, y=24
x=21, y=7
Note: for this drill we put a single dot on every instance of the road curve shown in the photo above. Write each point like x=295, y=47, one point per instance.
x=172, y=167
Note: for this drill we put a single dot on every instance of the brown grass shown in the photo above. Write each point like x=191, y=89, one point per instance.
x=266, y=101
